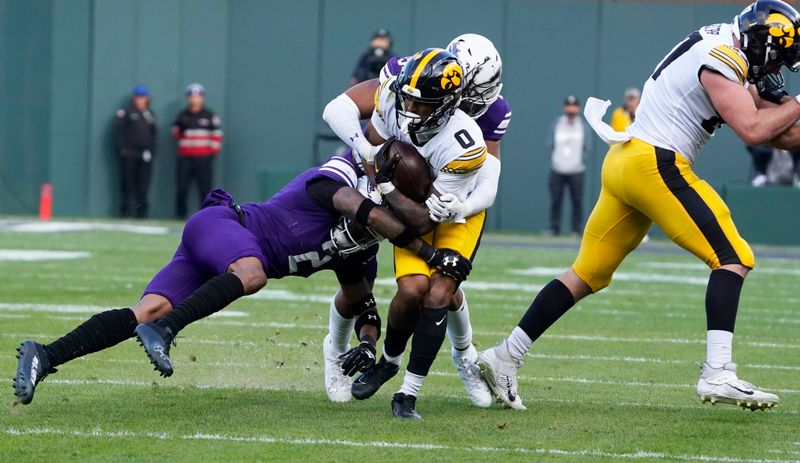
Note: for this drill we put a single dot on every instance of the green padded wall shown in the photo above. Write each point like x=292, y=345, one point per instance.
x=25, y=54
x=271, y=66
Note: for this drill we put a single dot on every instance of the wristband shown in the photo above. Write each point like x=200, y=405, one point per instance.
x=404, y=238
x=362, y=214
x=387, y=187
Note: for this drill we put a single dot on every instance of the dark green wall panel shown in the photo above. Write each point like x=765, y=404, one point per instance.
x=69, y=113
x=549, y=54
x=114, y=48
x=272, y=108
x=436, y=23
x=25, y=95
x=347, y=26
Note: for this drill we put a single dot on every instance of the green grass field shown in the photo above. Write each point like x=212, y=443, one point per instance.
x=612, y=381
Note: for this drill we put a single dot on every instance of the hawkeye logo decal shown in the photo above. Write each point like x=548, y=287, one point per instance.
x=451, y=77
x=781, y=28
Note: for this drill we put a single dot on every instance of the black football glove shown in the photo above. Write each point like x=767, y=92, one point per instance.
x=770, y=87
x=385, y=163
x=450, y=263
x=360, y=358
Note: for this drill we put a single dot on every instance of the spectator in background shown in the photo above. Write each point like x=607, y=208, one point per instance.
x=568, y=143
x=199, y=134
x=761, y=156
x=624, y=115
x=372, y=61
x=135, y=141
x=774, y=166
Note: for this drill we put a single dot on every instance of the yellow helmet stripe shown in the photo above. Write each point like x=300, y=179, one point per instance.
x=421, y=67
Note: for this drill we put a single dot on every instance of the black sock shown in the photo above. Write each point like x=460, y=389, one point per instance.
x=394, y=343
x=428, y=339
x=99, y=332
x=550, y=304
x=722, y=299
x=213, y=296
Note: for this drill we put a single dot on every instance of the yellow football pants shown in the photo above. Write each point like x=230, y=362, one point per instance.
x=462, y=237
x=642, y=184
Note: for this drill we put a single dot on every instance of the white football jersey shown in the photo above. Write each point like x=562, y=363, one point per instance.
x=675, y=111
x=455, y=154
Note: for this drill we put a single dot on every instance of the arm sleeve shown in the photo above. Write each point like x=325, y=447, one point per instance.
x=485, y=192
x=344, y=118
x=728, y=61
x=322, y=189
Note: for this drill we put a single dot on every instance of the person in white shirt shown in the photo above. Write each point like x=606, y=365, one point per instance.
x=568, y=143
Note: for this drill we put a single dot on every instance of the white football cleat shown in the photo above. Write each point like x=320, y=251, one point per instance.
x=500, y=372
x=721, y=385
x=337, y=384
x=470, y=374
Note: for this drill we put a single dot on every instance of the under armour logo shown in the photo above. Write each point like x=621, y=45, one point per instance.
x=450, y=261
x=372, y=317
x=353, y=138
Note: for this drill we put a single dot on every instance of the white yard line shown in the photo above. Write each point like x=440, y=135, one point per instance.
x=58, y=227
x=618, y=276
x=539, y=379
x=34, y=255
x=704, y=268
x=96, y=433
x=89, y=309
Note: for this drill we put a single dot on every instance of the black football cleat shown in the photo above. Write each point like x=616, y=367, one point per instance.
x=156, y=342
x=404, y=406
x=368, y=383
x=33, y=366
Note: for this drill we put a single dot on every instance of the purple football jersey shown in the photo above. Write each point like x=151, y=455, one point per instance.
x=493, y=123
x=289, y=234
x=292, y=229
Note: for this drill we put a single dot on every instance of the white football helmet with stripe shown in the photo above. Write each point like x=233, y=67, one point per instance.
x=483, y=70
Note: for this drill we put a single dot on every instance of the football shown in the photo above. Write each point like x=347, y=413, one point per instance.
x=411, y=176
